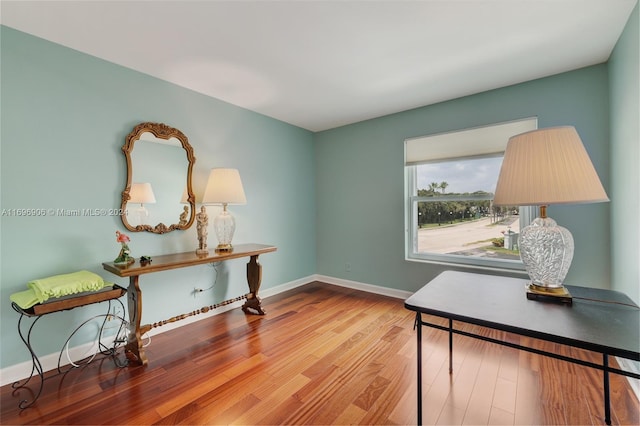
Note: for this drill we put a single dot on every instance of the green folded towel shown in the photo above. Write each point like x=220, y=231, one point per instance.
x=25, y=299
x=56, y=286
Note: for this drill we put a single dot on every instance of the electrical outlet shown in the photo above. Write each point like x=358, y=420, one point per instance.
x=347, y=267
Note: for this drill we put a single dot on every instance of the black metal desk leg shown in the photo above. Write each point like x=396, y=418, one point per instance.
x=450, y=346
x=607, y=402
x=418, y=324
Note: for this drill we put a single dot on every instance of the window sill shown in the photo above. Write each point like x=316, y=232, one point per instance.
x=493, y=266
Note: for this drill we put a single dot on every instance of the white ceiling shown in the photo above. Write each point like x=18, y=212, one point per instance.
x=323, y=64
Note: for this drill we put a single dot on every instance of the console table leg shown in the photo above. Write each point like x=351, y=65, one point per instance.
x=134, y=349
x=254, y=277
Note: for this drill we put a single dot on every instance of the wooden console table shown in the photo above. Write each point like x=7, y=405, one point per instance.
x=134, y=347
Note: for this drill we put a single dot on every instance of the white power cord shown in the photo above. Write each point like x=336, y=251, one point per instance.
x=214, y=265
x=119, y=337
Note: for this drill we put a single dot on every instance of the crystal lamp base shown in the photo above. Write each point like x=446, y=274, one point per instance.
x=225, y=226
x=546, y=250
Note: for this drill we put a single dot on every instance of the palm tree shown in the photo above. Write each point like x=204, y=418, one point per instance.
x=443, y=186
x=433, y=187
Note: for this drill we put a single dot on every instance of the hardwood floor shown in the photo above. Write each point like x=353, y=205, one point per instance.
x=326, y=355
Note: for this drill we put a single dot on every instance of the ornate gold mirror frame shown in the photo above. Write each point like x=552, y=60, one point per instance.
x=164, y=132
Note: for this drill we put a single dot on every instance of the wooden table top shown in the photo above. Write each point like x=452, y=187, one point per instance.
x=166, y=262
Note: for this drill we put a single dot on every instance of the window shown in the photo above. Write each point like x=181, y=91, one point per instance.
x=450, y=216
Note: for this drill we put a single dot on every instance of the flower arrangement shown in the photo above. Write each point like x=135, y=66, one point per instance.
x=124, y=258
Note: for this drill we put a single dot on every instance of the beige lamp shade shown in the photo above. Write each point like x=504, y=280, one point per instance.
x=224, y=186
x=142, y=193
x=547, y=166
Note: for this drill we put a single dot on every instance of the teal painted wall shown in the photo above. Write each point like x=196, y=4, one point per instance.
x=360, y=178
x=65, y=116
x=624, y=74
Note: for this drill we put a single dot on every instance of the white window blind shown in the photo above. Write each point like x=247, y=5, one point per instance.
x=479, y=141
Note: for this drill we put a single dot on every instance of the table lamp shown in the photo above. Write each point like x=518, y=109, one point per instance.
x=224, y=187
x=141, y=193
x=540, y=168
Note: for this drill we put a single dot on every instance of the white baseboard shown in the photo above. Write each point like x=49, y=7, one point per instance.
x=49, y=362
x=263, y=294
x=281, y=289
x=369, y=288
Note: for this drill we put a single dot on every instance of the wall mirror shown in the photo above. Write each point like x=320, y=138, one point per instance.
x=158, y=196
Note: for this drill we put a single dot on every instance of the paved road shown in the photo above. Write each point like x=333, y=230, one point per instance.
x=466, y=236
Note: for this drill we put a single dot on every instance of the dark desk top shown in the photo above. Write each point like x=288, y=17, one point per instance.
x=600, y=320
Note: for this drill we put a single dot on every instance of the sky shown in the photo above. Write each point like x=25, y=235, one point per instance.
x=479, y=174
